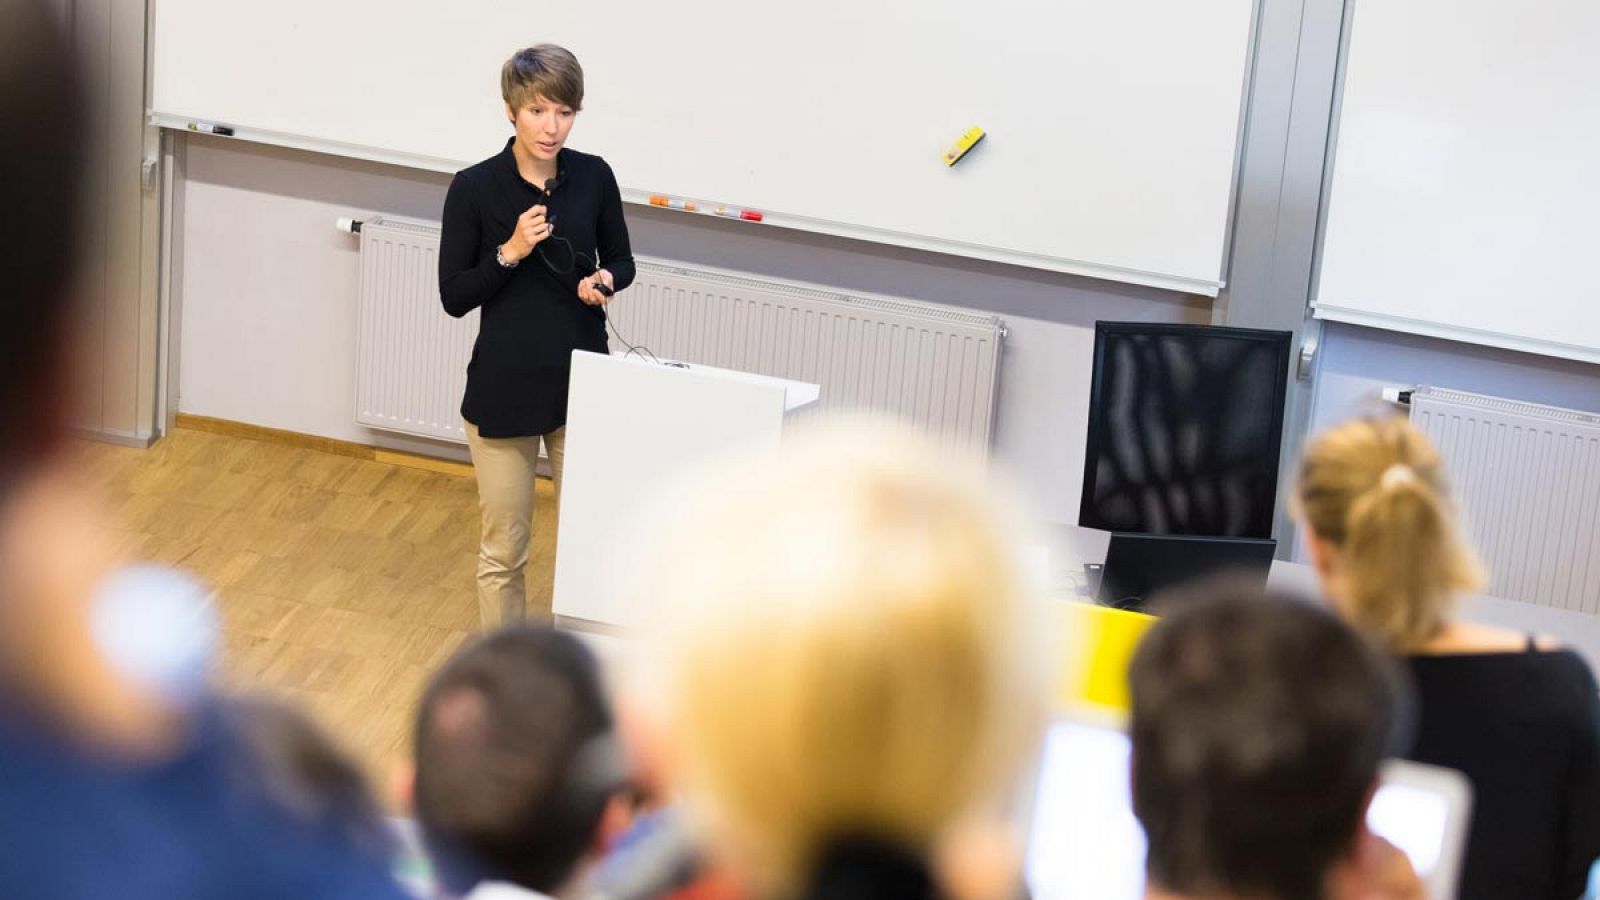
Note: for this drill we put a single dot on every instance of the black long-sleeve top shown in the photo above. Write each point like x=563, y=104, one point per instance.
x=1525, y=729
x=531, y=318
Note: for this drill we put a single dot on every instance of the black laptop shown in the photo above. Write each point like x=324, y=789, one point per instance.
x=1140, y=566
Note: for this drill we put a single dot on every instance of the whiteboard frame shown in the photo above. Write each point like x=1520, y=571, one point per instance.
x=1330, y=150
x=1332, y=312
x=1202, y=287
x=1246, y=91
x=1458, y=333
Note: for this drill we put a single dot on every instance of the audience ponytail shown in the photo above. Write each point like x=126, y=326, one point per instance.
x=1375, y=491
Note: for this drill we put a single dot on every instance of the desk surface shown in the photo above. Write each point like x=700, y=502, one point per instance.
x=1068, y=547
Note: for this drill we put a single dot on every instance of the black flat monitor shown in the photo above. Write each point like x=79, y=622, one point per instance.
x=1140, y=566
x=1185, y=429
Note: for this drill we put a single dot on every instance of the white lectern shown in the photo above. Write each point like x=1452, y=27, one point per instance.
x=633, y=426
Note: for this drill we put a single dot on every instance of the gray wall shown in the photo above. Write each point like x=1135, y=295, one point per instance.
x=1356, y=364
x=1283, y=157
x=118, y=262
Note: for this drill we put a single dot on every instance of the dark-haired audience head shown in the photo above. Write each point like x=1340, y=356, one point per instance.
x=306, y=773
x=42, y=156
x=1258, y=726
x=517, y=767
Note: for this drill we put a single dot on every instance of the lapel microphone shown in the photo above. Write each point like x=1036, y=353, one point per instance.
x=550, y=186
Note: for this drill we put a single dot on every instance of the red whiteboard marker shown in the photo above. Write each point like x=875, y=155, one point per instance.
x=734, y=212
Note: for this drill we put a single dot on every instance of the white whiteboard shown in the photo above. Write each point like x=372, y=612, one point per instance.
x=1465, y=197
x=1113, y=124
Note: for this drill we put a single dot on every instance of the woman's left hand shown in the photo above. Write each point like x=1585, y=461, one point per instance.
x=588, y=293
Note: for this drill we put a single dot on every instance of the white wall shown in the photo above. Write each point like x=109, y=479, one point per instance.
x=269, y=286
x=269, y=290
x=293, y=368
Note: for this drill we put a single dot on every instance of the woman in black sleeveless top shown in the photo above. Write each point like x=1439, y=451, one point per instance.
x=1518, y=715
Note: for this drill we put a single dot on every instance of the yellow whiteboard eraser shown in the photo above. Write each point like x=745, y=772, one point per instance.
x=960, y=148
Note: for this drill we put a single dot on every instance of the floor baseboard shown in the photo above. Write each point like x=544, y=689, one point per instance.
x=119, y=438
x=245, y=430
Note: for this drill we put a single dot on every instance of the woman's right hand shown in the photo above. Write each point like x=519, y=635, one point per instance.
x=531, y=230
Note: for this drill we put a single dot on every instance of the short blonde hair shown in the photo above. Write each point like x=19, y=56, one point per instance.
x=853, y=651
x=546, y=71
x=1375, y=490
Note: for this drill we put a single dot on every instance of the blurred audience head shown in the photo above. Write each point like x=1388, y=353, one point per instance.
x=158, y=628
x=1382, y=533
x=851, y=659
x=42, y=150
x=54, y=546
x=305, y=772
x=518, y=771
x=1258, y=725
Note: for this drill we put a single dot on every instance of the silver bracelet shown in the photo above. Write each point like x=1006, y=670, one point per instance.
x=500, y=258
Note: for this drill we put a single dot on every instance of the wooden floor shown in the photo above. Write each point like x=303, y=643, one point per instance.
x=342, y=582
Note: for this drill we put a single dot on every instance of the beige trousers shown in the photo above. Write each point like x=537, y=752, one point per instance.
x=506, y=470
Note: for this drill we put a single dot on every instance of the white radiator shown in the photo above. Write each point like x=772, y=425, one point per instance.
x=1528, y=480
x=932, y=365
x=411, y=358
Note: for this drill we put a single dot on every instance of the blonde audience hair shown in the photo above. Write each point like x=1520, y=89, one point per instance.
x=853, y=652
x=1375, y=491
x=545, y=70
